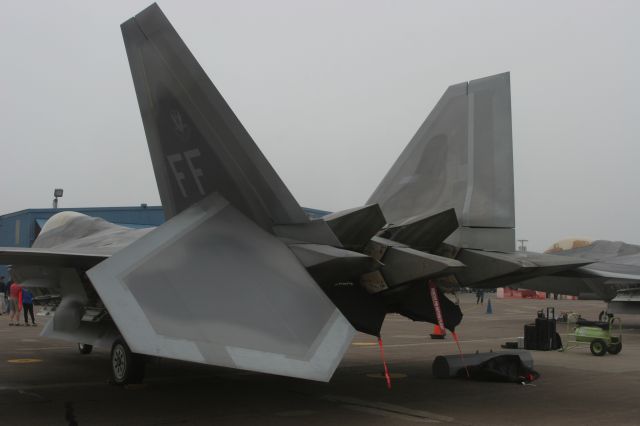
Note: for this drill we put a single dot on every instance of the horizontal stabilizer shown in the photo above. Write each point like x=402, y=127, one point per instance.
x=423, y=232
x=245, y=301
x=355, y=227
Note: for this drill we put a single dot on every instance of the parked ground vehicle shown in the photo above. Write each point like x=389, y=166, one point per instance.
x=600, y=336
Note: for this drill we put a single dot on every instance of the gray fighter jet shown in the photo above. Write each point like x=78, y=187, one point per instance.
x=239, y=276
x=613, y=274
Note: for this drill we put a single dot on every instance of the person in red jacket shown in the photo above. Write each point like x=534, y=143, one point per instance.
x=15, y=303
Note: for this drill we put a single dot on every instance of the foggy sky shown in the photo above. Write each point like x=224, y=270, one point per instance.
x=331, y=92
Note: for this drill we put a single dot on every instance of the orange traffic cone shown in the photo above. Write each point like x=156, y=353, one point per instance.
x=438, y=333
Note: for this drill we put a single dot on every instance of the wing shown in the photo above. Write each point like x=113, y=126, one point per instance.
x=44, y=257
x=610, y=267
x=617, y=268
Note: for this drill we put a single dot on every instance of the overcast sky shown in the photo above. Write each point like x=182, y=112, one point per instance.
x=331, y=92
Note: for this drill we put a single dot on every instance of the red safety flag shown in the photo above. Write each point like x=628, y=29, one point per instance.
x=436, y=306
x=386, y=370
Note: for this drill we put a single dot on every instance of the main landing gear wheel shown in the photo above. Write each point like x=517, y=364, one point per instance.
x=604, y=316
x=84, y=349
x=615, y=348
x=598, y=347
x=126, y=367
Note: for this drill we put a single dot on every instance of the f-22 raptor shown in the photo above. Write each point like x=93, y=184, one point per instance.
x=612, y=274
x=239, y=276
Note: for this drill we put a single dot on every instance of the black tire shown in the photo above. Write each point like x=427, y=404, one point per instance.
x=598, y=347
x=84, y=349
x=126, y=367
x=615, y=348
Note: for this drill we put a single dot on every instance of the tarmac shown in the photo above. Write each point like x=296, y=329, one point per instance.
x=47, y=382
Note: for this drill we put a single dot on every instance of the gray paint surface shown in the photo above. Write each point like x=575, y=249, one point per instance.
x=495, y=269
x=424, y=232
x=78, y=233
x=71, y=239
x=613, y=266
x=197, y=144
x=211, y=286
x=355, y=227
x=461, y=157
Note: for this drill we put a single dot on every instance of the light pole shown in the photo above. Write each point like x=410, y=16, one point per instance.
x=522, y=247
x=57, y=193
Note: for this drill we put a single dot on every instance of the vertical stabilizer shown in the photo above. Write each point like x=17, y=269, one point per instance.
x=461, y=158
x=197, y=144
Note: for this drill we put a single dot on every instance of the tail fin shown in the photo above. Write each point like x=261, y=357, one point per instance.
x=461, y=158
x=197, y=144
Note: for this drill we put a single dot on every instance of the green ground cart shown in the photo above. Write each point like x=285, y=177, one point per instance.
x=600, y=336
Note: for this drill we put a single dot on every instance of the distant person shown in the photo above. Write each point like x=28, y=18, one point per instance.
x=2, y=298
x=15, y=298
x=27, y=306
x=7, y=285
x=480, y=296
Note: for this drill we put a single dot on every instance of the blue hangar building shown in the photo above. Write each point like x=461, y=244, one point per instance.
x=21, y=228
